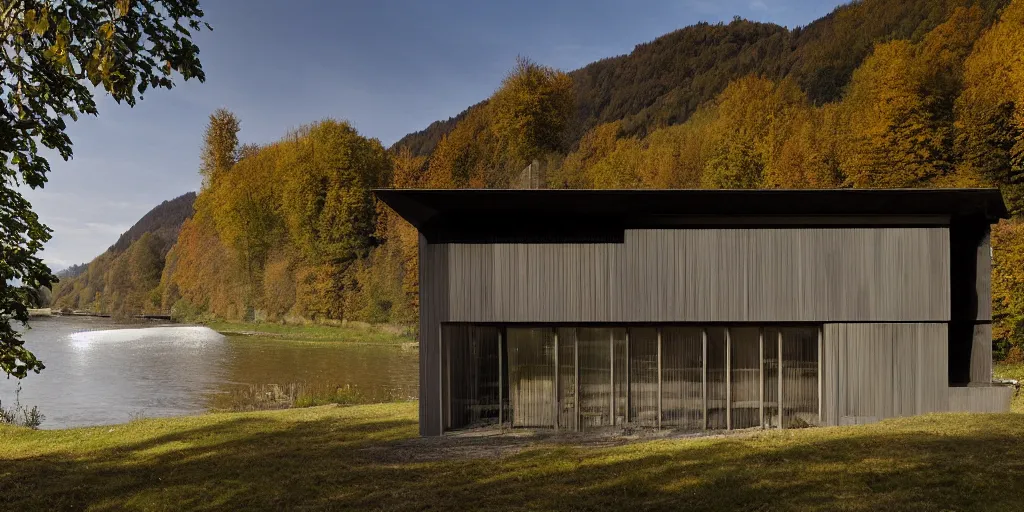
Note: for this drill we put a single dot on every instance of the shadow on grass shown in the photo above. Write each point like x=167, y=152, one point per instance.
x=939, y=462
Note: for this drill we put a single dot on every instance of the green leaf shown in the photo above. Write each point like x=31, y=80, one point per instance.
x=30, y=19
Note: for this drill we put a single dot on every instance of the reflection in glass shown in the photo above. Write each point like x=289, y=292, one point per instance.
x=643, y=376
x=531, y=376
x=576, y=378
x=799, y=376
x=682, y=370
x=745, y=358
x=472, y=386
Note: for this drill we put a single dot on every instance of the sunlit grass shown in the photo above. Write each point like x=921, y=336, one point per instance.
x=313, y=333
x=369, y=457
x=1013, y=371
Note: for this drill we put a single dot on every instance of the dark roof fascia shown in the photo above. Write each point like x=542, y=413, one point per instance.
x=433, y=210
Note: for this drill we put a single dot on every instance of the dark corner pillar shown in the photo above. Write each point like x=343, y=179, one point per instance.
x=970, y=328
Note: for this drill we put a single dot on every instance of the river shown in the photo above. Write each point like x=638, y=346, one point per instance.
x=100, y=372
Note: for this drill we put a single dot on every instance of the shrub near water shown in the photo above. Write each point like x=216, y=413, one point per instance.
x=21, y=415
x=345, y=395
x=261, y=397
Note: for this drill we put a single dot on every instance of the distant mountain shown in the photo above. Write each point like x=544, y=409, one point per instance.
x=164, y=221
x=72, y=271
x=424, y=141
x=120, y=281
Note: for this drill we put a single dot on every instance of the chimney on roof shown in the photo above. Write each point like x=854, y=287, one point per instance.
x=532, y=177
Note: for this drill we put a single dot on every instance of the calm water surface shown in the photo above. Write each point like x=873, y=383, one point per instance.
x=100, y=372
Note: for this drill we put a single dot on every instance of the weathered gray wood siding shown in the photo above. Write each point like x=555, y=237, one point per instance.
x=872, y=371
x=707, y=275
x=981, y=354
x=433, y=262
x=983, y=278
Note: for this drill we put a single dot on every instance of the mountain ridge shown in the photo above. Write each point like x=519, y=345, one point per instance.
x=662, y=82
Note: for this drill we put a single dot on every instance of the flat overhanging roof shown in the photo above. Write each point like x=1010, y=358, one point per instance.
x=432, y=208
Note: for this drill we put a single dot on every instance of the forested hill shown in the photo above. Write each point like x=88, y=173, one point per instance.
x=121, y=280
x=164, y=221
x=663, y=82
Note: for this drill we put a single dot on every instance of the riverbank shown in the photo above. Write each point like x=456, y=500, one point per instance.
x=369, y=457
x=358, y=333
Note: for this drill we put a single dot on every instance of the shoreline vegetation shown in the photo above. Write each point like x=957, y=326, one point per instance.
x=261, y=397
x=370, y=457
x=344, y=332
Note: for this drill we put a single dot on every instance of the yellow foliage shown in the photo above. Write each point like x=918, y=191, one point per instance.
x=278, y=287
x=751, y=121
x=990, y=110
x=895, y=140
x=280, y=228
x=530, y=111
x=204, y=271
x=461, y=155
x=595, y=145
x=1008, y=282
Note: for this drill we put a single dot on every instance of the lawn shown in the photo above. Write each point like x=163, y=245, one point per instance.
x=312, y=333
x=368, y=457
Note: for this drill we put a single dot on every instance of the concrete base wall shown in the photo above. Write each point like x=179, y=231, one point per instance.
x=980, y=399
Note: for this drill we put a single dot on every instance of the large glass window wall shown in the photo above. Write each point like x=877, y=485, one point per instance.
x=687, y=377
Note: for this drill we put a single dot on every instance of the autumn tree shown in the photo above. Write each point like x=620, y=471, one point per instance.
x=530, y=111
x=808, y=150
x=1008, y=283
x=56, y=53
x=750, y=120
x=463, y=157
x=595, y=145
x=676, y=155
x=900, y=107
x=990, y=110
x=132, y=276
x=278, y=286
x=621, y=168
x=220, y=148
x=408, y=173
x=202, y=276
x=246, y=208
x=327, y=200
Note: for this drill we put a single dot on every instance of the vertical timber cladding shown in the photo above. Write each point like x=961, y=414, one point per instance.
x=699, y=275
x=873, y=371
x=434, y=292
x=828, y=275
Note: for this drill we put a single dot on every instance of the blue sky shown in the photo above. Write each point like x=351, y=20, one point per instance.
x=389, y=67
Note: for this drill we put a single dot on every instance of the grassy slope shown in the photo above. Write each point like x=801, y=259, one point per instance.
x=324, y=333
x=368, y=457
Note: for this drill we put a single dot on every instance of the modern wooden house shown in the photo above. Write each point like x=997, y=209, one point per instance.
x=701, y=309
